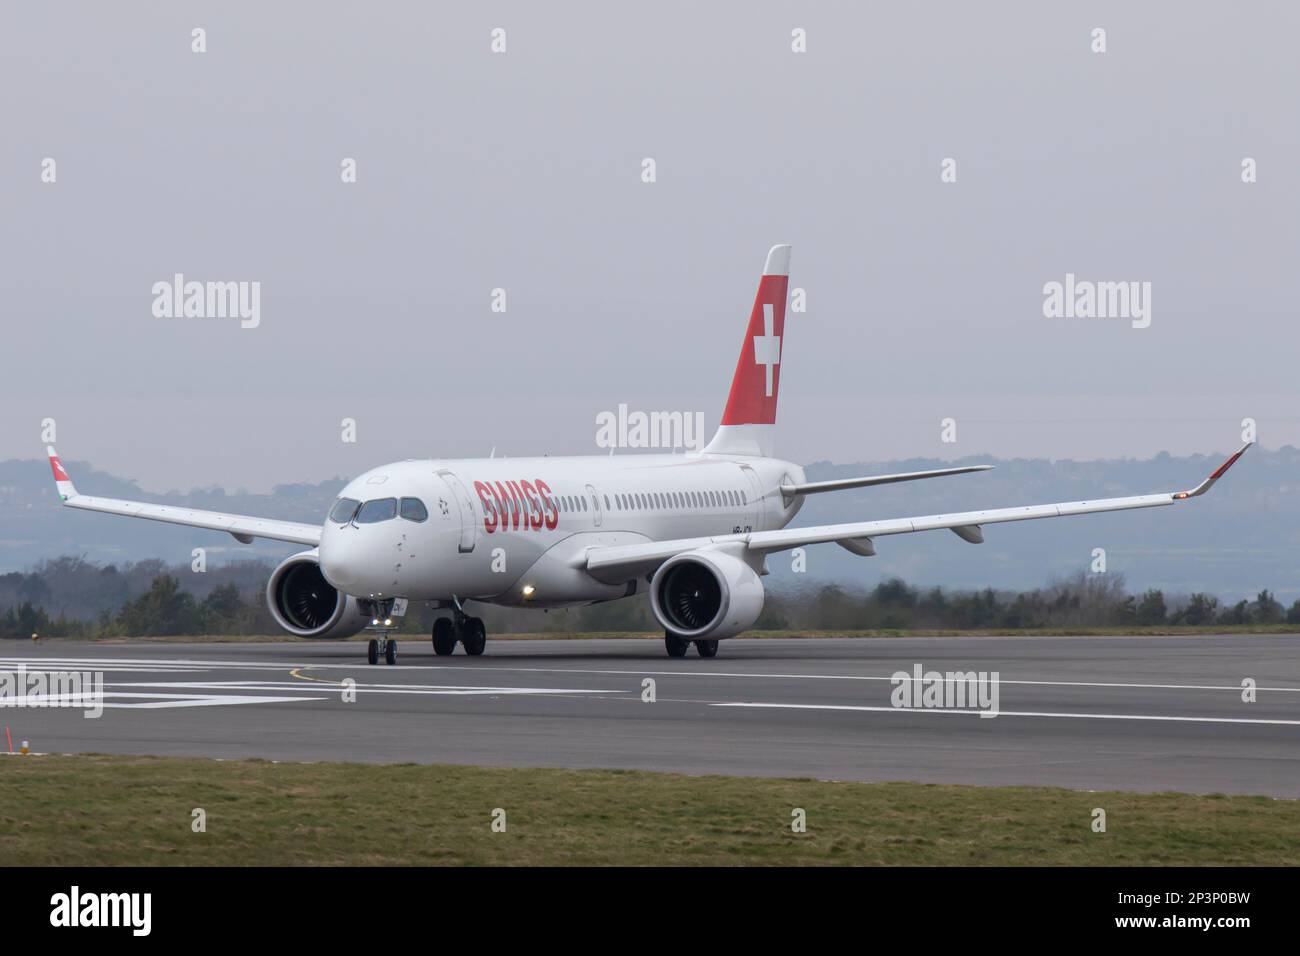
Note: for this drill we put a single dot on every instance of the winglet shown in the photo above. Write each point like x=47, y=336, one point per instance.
x=62, y=480
x=1208, y=483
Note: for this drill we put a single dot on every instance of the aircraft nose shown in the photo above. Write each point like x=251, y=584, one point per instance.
x=338, y=564
x=364, y=562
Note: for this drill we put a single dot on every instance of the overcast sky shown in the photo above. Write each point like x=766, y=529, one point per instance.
x=523, y=170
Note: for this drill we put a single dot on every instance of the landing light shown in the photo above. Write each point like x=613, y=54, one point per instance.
x=528, y=590
x=374, y=622
x=388, y=622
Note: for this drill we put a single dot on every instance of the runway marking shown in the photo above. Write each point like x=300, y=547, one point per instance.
x=1036, y=683
x=857, y=677
x=33, y=664
x=297, y=672
x=121, y=664
x=449, y=689
x=204, y=700
x=151, y=701
x=1013, y=713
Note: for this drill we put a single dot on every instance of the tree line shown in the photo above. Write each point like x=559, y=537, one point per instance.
x=71, y=597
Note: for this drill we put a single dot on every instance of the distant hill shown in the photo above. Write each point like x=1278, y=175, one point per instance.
x=34, y=527
x=1242, y=537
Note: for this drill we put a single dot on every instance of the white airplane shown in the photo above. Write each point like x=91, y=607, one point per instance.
x=694, y=529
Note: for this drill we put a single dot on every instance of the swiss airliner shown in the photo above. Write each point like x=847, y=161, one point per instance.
x=693, y=529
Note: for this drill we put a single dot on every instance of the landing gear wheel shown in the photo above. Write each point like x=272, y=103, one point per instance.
x=444, y=637
x=372, y=652
x=707, y=648
x=474, y=636
x=676, y=646
x=390, y=653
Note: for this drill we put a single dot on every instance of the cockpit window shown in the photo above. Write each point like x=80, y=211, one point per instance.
x=380, y=509
x=413, y=509
x=344, y=509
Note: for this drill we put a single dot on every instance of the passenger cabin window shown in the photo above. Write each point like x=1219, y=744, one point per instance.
x=413, y=509
x=380, y=509
x=344, y=509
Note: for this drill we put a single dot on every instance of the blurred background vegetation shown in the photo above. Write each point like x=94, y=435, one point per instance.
x=74, y=597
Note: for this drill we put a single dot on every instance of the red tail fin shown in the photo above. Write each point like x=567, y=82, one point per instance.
x=750, y=414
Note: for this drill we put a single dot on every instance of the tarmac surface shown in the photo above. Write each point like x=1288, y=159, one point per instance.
x=1094, y=713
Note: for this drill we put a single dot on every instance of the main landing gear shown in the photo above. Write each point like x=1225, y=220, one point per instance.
x=460, y=627
x=678, y=646
x=383, y=644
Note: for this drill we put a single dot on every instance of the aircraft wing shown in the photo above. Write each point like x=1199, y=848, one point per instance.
x=243, y=527
x=841, y=484
x=856, y=536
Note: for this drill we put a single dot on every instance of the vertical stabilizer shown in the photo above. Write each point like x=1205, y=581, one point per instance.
x=749, y=420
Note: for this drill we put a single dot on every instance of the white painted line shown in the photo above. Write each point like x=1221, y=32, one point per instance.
x=88, y=700
x=88, y=664
x=855, y=677
x=135, y=663
x=177, y=701
x=1013, y=713
x=43, y=665
x=334, y=689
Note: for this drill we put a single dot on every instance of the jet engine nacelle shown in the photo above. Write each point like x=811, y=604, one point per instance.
x=306, y=605
x=706, y=595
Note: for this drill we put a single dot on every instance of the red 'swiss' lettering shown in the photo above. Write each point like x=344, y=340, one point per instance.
x=534, y=509
x=552, y=509
x=505, y=504
x=489, y=507
x=517, y=498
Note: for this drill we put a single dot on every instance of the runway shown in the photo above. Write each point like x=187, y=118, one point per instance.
x=1095, y=713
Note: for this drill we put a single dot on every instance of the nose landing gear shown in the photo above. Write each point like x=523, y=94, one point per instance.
x=460, y=627
x=383, y=644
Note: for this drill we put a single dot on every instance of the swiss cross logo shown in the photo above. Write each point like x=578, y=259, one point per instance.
x=767, y=347
x=758, y=371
